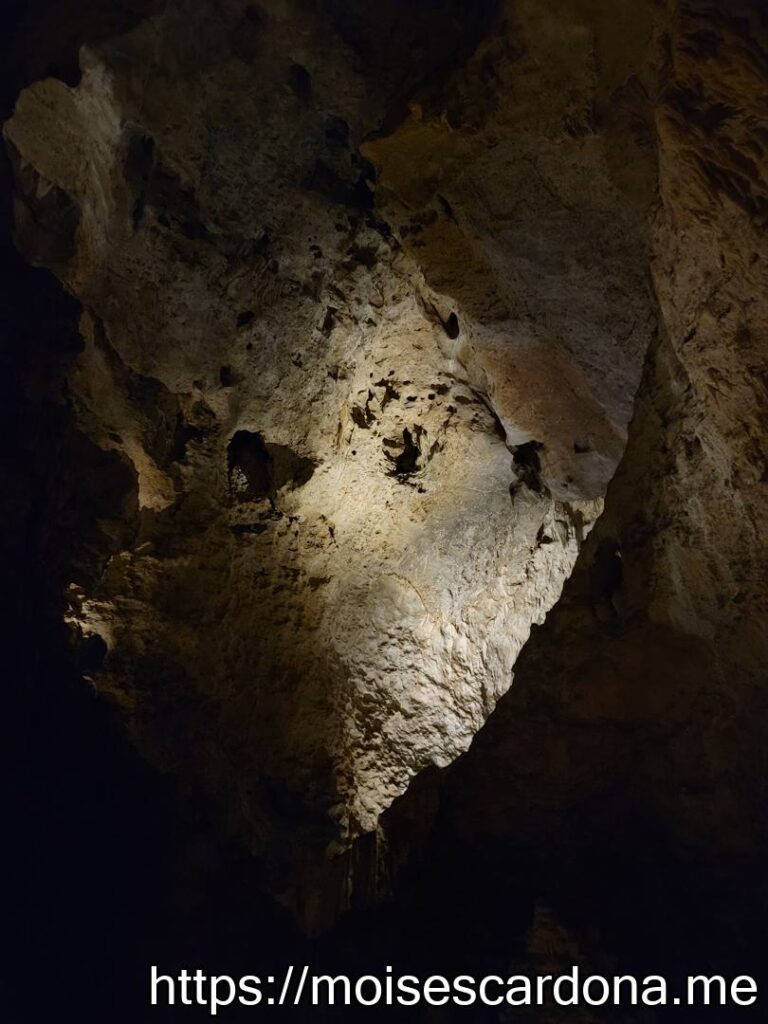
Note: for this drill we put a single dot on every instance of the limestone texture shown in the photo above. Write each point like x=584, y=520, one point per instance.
x=367, y=383
x=382, y=308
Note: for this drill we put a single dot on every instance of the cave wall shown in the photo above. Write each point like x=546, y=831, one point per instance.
x=652, y=664
x=622, y=779
x=364, y=299
x=361, y=406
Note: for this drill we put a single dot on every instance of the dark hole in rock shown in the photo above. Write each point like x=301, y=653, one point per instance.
x=544, y=536
x=336, y=131
x=182, y=435
x=250, y=466
x=363, y=255
x=361, y=417
x=390, y=393
x=258, y=469
x=408, y=460
x=226, y=376
x=528, y=464
x=329, y=319
x=245, y=318
x=301, y=81
x=527, y=455
x=452, y=326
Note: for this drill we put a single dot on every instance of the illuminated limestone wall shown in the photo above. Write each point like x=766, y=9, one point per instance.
x=369, y=405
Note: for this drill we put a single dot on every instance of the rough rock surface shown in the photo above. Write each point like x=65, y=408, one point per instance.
x=648, y=677
x=624, y=774
x=362, y=428
x=367, y=292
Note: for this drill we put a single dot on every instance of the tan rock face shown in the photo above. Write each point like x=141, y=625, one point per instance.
x=639, y=709
x=364, y=310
